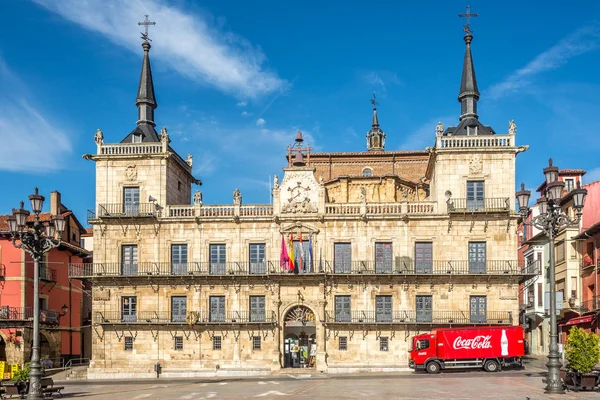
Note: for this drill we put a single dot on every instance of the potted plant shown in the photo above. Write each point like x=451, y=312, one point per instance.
x=582, y=351
x=21, y=379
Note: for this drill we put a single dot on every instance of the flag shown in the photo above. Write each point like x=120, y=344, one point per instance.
x=310, y=253
x=301, y=264
x=292, y=258
x=284, y=259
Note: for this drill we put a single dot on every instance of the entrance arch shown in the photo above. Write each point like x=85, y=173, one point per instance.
x=300, y=338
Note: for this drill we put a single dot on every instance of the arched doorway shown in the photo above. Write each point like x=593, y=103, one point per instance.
x=300, y=338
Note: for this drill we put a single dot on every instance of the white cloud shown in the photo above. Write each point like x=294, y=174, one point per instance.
x=423, y=136
x=30, y=141
x=580, y=42
x=186, y=41
x=246, y=113
x=241, y=104
x=260, y=122
x=381, y=79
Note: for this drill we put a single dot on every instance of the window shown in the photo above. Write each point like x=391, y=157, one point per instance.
x=131, y=200
x=383, y=308
x=367, y=172
x=383, y=258
x=217, y=259
x=257, y=308
x=129, y=309
x=178, y=185
x=129, y=260
x=560, y=251
x=216, y=342
x=343, y=343
x=478, y=309
x=477, y=258
x=569, y=184
x=560, y=287
x=217, y=308
x=128, y=343
x=540, y=294
x=302, y=260
x=178, y=342
x=422, y=344
x=342, y=258
x=423, y=257
x=179, y=259
x=257, y=258
x=178, y=308
x=342, y=309
x=383, y=343
x=574, y=287
x=255, y=342
x=424, y=308
x=136, y=138
x=475, y=195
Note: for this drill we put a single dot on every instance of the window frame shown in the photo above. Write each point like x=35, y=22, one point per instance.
x=256, y=343
x=343, y=343
x=128, y=343
x=217, y=343
x=384, y=344
x=178, y=343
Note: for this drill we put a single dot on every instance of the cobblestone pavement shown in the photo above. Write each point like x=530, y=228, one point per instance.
x=517, y=384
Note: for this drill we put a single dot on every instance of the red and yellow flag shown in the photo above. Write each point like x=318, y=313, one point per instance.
x=291, y=252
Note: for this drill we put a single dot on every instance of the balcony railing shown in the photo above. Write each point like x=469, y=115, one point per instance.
x=121, y=210
x=26, y=313
x=489, y=204
x=406, y=267
x=47, y=274
x=422, y=207
x=487, y=141
x=419, y=317
x=200, y=317
x=592, y=304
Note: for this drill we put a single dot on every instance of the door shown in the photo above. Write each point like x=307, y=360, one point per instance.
x=475, y=195
x=424, y=308
x=178, y=308
x=342, y=309
x=423, y=257
x=217, y=259
x=179, y=254
x=131, y=200
x=477, y=258
x=383, y=308
x=478, y=309
x=383, y=258
x=342, y=258
x=129, y=260
x=217, y=309
x=129, y=309
x=257, y=308
x=257, y=259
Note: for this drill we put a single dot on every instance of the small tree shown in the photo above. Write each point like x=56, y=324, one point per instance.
x=582, y=350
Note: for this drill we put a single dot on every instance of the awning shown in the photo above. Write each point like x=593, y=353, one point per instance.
x=579, y=320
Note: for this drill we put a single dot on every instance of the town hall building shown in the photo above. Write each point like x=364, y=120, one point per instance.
x=358, y=252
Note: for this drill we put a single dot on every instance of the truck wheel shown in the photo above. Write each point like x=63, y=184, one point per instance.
x=433, y=367
x=491, y=366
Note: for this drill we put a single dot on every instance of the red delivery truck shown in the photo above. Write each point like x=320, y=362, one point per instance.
x=487, y=347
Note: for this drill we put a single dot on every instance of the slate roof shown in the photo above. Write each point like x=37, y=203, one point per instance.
x=148, y=133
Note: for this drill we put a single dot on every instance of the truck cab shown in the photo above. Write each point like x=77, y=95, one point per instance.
x=422, y=348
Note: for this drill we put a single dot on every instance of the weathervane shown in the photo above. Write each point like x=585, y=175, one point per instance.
x=374, y=101
x=468, y=17
x=146, y=23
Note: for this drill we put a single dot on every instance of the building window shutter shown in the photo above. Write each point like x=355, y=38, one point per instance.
x=257, y=308
x=383, y=258
x=383, y=308
x=217, y=259
x=342, y=258
x=257, y=259
x=342, y=309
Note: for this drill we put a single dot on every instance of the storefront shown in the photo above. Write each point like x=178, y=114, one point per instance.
x=300, y=338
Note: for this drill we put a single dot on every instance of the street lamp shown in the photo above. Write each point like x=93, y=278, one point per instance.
x=552, y=220
x=35, y=240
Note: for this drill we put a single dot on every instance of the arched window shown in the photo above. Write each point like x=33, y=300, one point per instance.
x=367, y=172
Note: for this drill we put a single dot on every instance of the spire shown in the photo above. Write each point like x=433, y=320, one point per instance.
x=469, y=94
x=146, y=102
x=375, y=136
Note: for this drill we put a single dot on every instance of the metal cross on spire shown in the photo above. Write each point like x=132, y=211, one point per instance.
x=374, y=101
x=468, y=17
x=146, y=23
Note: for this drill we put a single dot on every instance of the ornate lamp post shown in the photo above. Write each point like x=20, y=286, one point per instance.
x=35, y=240
x=552, y=220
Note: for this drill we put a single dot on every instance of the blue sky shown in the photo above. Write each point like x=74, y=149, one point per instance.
x=236, y=79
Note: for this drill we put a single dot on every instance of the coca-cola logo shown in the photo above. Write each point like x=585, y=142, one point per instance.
x=478, y=342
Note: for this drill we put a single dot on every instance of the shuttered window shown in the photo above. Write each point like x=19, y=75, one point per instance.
x=477, y=258
x=217, y=308
x=131, y=200
x=257, y=308
x=179, y=259
x=178, y=308
x=342, y=258
x=217, y=259
x=475, y=195
x=257, y=258
x=478, y=309
x=342, y=309
x=424, y=307
x=423, y=257
x=129, y=308
x=383, y=258
x=129, y=260
x=383, y=308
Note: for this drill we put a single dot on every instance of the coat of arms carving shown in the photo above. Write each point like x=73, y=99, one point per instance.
x=130, y=173
x=476, y=164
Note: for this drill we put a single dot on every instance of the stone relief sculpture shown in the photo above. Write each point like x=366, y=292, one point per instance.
x=164, y=135
x=512, y=127
x=198, y=198
x=237, y=197
x=131, y=172
x=363, y=195
x=439, y=129
x=99, y=137
x=476, y=164
x=305, y=206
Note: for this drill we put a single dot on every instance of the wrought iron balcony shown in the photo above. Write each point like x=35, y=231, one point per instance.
x=47, y=274
x=490, y=204
x=25, y=314
x=191, y=318
x=121, y=210
x=592, y=304
x=428, y=317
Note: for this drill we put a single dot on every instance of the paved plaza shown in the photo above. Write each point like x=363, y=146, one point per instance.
x=511, y=384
